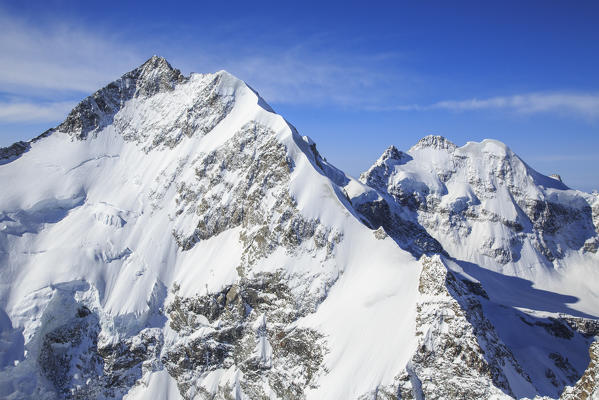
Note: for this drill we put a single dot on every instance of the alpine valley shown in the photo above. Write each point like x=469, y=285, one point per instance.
x=175, y=238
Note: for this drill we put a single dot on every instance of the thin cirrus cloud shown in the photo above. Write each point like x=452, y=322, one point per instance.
x=576, y=104
x=301, y=78
x=24, y=111
x=43, y=59
x=46, y=69
x=306, y=72
x=61, y=62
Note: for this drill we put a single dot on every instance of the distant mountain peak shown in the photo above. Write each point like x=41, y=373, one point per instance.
x=378, y=173
x=392, y=153
x=434, y=142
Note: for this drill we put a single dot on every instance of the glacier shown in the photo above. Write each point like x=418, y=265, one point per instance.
x=176, y=238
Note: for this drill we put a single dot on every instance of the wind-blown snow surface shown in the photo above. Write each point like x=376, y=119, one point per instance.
x=175, y=238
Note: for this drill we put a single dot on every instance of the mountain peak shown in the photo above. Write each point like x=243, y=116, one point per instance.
x=156, y=60
x=392, y=156
x=392, y=153
x=378, y=173
x=153, y=76
x=434, y=142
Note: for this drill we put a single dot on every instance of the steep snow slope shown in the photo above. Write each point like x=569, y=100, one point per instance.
x=175, y=238
x=160, y=191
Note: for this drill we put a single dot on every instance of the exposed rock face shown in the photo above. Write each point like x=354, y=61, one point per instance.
x=595, y=210
x=377, y=177
x=557, y=177
x=409, y=235
x=14, y=150
x=459, y=354
x=246, y=328
x=253, y=169
x=71, y=352
x=154, y=77
x=98, y=110
x=434, y=142
x=209, y=105
x=72, y=344
x=588, y=385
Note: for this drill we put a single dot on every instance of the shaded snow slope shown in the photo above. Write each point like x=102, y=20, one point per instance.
x=176, y=238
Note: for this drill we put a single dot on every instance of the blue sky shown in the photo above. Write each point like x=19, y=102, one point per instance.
x=355, y=76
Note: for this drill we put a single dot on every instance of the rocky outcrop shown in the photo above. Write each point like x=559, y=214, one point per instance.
x=72, y=358
x=434, y=142
x=246, y=328
x=254, y=171
x=459, y=354
x=588, y=385
x=13, y=151
x=16, y=150
x=98, y=110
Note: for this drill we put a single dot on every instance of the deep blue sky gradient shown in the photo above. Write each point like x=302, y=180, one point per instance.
x=355, y=76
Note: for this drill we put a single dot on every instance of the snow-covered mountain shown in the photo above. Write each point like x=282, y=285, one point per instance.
x=175, y=238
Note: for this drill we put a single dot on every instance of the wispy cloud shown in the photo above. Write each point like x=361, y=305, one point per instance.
x=298, y=78
x=34, y=112
x=48, y=66
x=62, y=60
x=306, y=72
x=578, y=104
x=58, y=57
x=565, y=157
